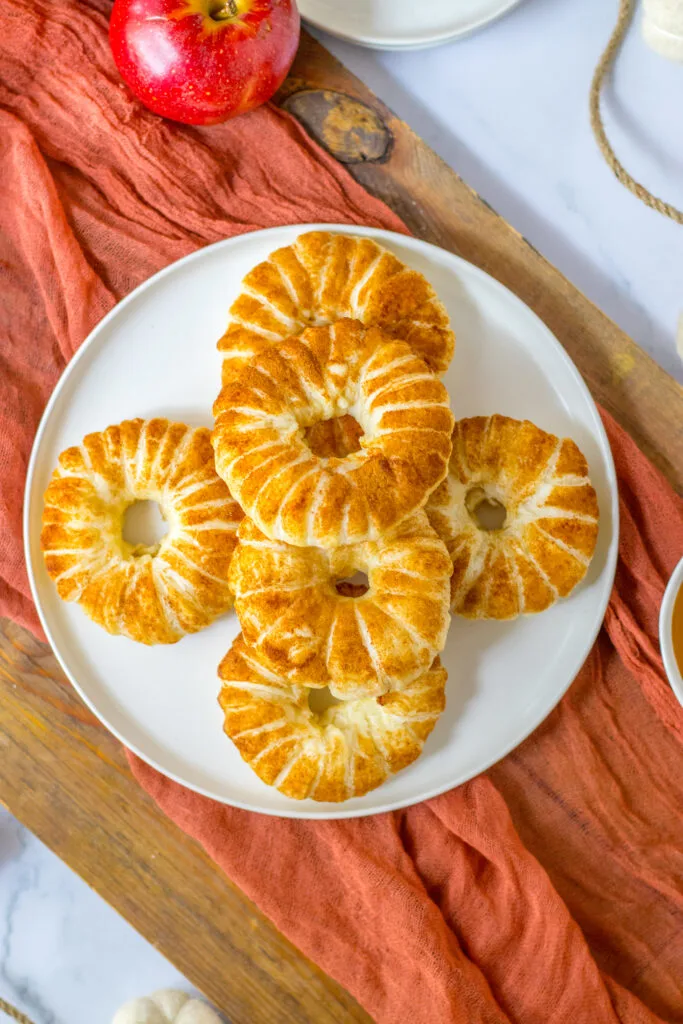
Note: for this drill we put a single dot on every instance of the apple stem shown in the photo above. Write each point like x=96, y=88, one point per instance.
x=224, y=9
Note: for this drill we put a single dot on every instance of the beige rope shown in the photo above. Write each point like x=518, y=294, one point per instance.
x=15, y=1014
x=626, y=9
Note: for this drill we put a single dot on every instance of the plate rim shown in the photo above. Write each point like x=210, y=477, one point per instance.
x=608, y=572
x=422, y=42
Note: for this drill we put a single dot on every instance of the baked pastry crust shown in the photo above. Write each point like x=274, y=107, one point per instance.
x=153, y=595
x=324, y=277
x=360, y=642
x=550, y=531
x=345, y=751
x=334, y=438
x=268, y=402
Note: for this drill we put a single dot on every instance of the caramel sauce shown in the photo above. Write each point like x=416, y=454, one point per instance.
x=677, y=629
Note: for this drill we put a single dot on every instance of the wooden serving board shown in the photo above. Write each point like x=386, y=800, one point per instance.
x=67, y=779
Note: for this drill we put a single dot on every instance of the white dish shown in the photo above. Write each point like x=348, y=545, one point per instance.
x=402, y=24
x=155, y=354
x=666, y=631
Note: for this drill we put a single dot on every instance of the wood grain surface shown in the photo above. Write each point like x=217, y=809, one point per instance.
x=438, y=206
x=67, y=779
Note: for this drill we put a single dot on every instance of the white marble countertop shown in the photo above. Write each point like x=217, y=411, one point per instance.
x=507, y=108
x=65, y=956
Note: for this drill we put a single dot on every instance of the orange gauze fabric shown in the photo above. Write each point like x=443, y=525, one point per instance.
x=549, y=890
x=97, y=195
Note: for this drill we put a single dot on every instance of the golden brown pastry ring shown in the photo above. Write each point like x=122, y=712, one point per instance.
x=324, y=277
x=362, y=641
x=344, y=751
x=550, y=528
x=157, y=594
x=268, y=402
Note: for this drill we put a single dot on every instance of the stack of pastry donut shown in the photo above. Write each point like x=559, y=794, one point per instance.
x=340, y=507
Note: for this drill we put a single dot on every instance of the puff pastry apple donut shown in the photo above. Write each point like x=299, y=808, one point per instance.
x=343, y=751
x=295, y=495
x=361, y=640
x=151, y=594
x=538, y=486
x=324, y=277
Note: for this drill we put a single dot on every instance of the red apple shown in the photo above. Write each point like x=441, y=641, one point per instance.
x=203, y=61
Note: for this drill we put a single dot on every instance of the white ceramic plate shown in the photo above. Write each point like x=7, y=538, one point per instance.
x=155, y=354
x=402, y=24
x=666, y=641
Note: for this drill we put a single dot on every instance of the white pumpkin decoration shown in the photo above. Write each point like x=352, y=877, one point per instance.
x=168, y=1006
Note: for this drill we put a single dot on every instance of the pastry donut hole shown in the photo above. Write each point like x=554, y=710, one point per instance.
x=153, y=594
x=341, y=752
x=268, y=403
x=518, y=515
x=361, y=640
x=338, y=437
x=324, y=277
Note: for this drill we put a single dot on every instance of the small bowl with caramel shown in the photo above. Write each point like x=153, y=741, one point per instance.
x=671, y=630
